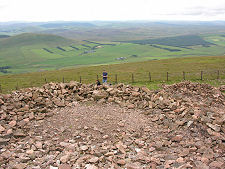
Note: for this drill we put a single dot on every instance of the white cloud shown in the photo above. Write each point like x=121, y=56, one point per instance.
x=3, y=4
x=45, y=10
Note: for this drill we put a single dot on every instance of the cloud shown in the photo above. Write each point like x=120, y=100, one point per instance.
x=4, y=4
x=197, y=11
x=50, y=10
x=204, y=11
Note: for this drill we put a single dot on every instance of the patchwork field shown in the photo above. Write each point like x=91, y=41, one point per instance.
x=38, y=52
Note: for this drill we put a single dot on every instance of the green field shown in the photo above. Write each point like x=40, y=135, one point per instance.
x=192, y=66
x=38, y=52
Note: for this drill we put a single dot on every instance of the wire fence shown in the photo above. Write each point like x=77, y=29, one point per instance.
x=157, y=77
x=114, y=78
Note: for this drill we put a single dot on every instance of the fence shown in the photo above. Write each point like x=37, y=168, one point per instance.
x=113, y=78
x=157, y=77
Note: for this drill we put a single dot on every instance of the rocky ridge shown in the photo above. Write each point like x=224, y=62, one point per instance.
x=184, y=127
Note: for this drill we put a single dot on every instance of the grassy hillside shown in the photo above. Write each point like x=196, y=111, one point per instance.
x=158, y=68
x=16, y=51
x=34, y=39
x=37, y=52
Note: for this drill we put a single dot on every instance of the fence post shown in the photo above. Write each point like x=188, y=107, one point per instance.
x=132, y=78
x=45, y=80
x=218, y=74
x=183, y=75
x=201, y=75
x=150, y=78
x=167, y=76
x=0, y=88
x=63, y=79
x=116, y=78
x=80, y=79
x=17, y=87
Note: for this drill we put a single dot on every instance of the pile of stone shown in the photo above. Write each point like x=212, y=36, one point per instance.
x=186, y=105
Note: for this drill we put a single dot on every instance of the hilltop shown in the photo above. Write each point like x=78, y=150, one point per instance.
x=28, y=39
x=16, y=51
x=74, y=125
x=53, y=115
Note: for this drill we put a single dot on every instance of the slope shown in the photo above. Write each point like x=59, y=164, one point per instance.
x=16, y=50
x=37, y=52
x=34, y=39
x=158, y=68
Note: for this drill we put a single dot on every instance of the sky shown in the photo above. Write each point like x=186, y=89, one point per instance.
x=90, y=10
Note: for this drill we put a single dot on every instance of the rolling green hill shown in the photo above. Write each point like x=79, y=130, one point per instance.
x=38, y=52
x=28, y=39
x=16, y=51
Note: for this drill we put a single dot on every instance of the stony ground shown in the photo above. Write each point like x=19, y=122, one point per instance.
x=184, y=130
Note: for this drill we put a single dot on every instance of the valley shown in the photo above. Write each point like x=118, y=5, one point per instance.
x=39, y=52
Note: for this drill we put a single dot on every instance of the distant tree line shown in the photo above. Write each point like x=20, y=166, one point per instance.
x=169, y=49
x=99, y=43
x=177, y=41
x=86, y=46
x=47, y=50
x=60, y=48
x=74, y=47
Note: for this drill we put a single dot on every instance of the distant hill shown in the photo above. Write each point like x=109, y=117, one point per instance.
x=16, y=52
x=67, y=24
x=114, y=30
x=4, y=36
x=33, y=39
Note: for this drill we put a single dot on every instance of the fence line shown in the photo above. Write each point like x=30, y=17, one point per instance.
x=147, y=77
x=138, y=77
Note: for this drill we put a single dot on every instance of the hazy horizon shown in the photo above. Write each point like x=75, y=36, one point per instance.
x=111, y=21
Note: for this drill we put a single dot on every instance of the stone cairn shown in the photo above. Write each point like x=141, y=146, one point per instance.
x=184, y=104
